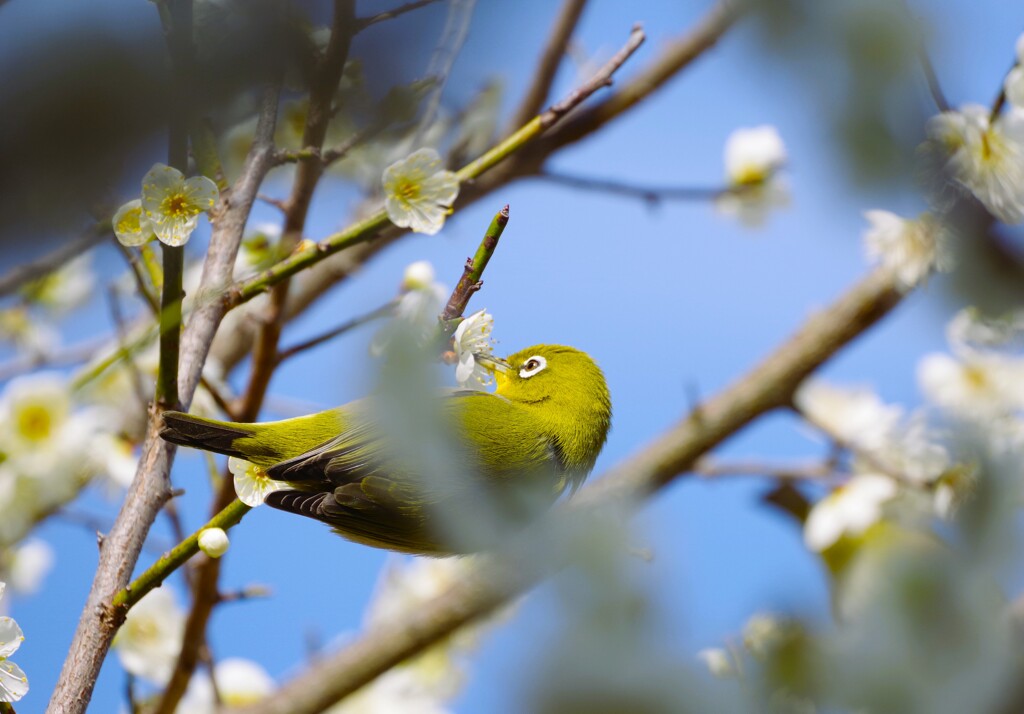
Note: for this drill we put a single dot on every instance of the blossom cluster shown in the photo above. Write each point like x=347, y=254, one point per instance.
x=168, y=209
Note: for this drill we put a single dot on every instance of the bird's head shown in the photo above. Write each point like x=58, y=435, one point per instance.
x=562, y=384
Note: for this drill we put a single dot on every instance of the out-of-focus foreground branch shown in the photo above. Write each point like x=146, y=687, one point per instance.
x=768, y=386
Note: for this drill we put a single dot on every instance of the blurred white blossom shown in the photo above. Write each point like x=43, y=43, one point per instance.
x=13, y=682
x=172, y=204
x=854, y=415
x=472, y=338
x=753, y=155
x=258, y=250
x=911, y=249
x=26, y=565
x=150, y=639
x=419, y=192
x=718, y=662
x=34, y=337
x=65, y=288
x=985, y=157
x=252, y=485
x=762, y=633
x=239, y=682
x=973, y=384
x=1014, y=83
x=849, y=510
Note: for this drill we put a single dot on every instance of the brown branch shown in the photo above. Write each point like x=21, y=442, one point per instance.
x=648, y=194
x=20, y=275
x=150, y=488
x=205, y=593
x=363, y=22
x=547, y=67
x=816, y=470
x=768, y=386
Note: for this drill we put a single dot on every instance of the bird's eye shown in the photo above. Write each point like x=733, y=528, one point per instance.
x=532, y=366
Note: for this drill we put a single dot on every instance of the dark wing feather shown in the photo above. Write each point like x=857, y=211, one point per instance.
x=353, y=484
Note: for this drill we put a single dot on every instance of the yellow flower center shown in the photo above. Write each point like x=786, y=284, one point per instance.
x=408, y=191
x=35, y=422
x=177, y=206
x=750, y=176
x=129, y=222
x=975, y=378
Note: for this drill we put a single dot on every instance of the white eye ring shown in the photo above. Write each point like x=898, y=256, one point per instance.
x=532, y=366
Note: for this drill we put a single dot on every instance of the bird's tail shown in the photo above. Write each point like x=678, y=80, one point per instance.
x=201, y=433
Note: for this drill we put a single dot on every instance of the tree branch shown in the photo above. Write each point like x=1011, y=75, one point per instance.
x=550, y=60
x=768, y=386
x=149, y=490
x=363, y=22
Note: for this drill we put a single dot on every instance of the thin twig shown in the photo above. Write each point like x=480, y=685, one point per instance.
x=19, y=276
x=932, y=79
x=363, y=22
x=550, y=60
x=648, y=194
x=1000, y=101
x=816, y=470
x=375, y=314
x=473, y=271
x=495, y=581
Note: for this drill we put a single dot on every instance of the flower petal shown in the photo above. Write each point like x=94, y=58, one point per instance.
x=201, y=192
x=130, y=224
x=11, y=637
x=13, y=682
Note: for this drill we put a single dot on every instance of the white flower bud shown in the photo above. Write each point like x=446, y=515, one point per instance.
x=214, y=542
x=418, y=276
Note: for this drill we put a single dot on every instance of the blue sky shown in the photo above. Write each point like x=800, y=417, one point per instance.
x=671, y=301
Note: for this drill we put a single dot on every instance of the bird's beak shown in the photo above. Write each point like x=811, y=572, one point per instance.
x=494, y=364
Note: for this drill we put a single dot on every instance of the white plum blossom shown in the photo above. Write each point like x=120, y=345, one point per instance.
x=258, y=250
x=27, y=564
x=150, y=639
x=418, y=308
x=753, y=155
x=753, y=158
x=131, y=226
x=1014, y=83
x=239, y=682
x=973, y=384
x=13, y=682
x=986, y=157
x=762, y=633
x=65, y=288
x=252, y=485
x=214, y=542
x=911, y=249
x=849, y=510
x=853, y=415
x=472, y=338
x=172, y=204
x=971, y=330
x=419, y=192
x=33, y=337
x=718, y=662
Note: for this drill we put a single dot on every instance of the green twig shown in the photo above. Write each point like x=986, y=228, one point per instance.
x=473, y=271
x=176, y=557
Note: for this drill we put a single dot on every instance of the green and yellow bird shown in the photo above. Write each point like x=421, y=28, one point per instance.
x=517, y=449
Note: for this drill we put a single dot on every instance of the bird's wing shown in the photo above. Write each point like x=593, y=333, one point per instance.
x=357, y=482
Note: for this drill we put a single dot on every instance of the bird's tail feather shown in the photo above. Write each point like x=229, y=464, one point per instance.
x=198, y=432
